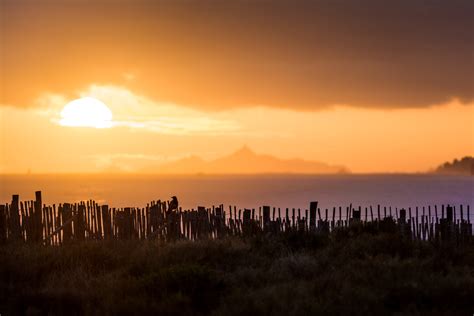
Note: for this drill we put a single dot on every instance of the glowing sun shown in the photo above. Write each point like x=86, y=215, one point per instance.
x=86, y=112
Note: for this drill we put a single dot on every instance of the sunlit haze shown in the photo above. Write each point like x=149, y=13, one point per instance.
x=156, y=82
x=86, y=112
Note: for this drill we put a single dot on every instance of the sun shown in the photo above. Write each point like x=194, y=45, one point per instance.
x=86, y=112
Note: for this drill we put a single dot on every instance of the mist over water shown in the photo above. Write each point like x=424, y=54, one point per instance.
x=245, y=191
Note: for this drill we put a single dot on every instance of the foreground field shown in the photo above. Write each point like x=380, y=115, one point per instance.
x=288, y=274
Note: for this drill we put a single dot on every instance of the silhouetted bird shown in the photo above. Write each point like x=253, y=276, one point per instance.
x=173, y=204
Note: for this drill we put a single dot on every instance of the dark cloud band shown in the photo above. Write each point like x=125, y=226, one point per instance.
x=220, y=54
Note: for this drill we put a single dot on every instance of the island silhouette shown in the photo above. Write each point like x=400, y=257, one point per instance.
x=245, y=161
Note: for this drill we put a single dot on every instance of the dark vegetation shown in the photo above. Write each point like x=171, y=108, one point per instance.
x=462, y=166
x=285, y=274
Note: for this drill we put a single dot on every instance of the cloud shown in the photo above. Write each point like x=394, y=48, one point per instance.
x=216, y=55
x=139, y=112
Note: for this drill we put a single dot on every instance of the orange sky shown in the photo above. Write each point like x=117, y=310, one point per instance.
x=374, y=88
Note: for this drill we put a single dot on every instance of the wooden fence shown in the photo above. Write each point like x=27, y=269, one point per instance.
x=31, y=221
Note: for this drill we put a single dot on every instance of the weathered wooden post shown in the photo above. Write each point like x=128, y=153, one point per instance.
x=219, y=222
x=293, y=218
x=247, y=223
x=417, y=230
x=403, y=216
x=266, y=218
x=100, y=227
x=446, y=229
x=67, y=221
x=38, y=207
x=79, y=223
x=154, y=215
x=313, y=207
x=14, y=224
x=356, y=215
x=126, y=223
x=333, y=220
x=202, y=222
x=51, y=222
x=449, y=213
x=106, y=222
x=430, y=224
x=404, y=225
x=3, y=224
x=340, y=222
x=348, y=215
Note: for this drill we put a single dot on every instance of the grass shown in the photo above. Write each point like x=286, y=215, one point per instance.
x=290, y=274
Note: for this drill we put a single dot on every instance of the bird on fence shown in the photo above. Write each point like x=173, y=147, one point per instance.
x=173, y=204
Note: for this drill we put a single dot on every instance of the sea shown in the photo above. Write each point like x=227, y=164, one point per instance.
x=245, y=191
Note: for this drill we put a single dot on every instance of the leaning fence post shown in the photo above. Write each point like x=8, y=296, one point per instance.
x=106, y=221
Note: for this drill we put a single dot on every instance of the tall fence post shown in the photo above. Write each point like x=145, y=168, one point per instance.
x=37, y=217
x=313, y=208
x=15, y=229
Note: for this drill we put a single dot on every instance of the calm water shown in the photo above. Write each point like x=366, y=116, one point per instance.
x=246, y=191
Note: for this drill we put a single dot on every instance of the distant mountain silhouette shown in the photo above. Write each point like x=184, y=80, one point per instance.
x=462, y=166
x=245, y=161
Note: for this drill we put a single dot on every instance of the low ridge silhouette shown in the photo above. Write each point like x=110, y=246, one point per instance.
x=246, y=161
x=457, y=166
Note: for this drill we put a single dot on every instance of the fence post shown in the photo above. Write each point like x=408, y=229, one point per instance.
x=313, y=207
x=446, y=224
x=15, y=218
x=246, y=224
x=356, y=215
x=38, y=227
x=3, y=224
x=266, y=218
x=79, y=224
x=219, y=221
x=106, y=222
x=403, y=216
x=67, y=215
x=449, y=213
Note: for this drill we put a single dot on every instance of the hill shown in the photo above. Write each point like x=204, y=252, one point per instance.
x=462, y=166
x=246, y=161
